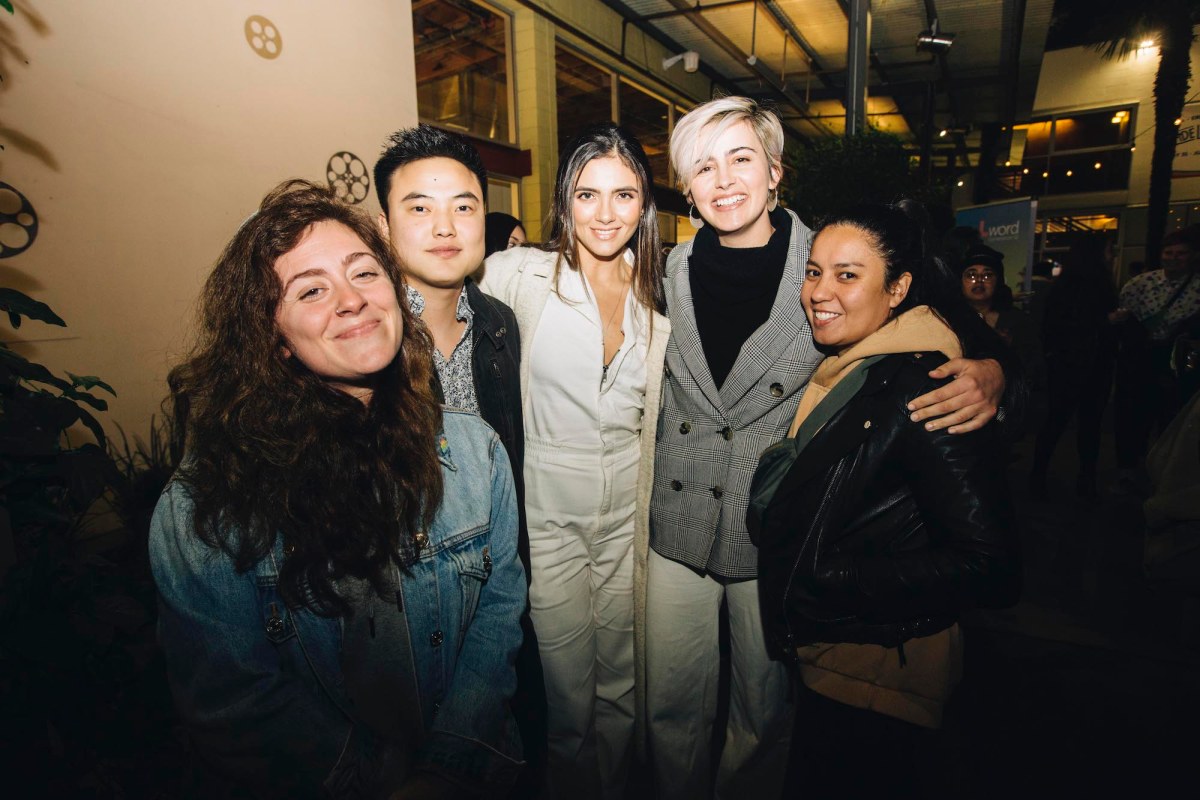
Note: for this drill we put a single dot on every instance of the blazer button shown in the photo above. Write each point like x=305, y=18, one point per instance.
x=435, y=639
x=777, y=390
x=727, y=433
x=685, y=427
x=718, y=492
x=677, y=486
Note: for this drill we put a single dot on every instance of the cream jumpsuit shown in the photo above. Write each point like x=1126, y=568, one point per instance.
x=581, y=468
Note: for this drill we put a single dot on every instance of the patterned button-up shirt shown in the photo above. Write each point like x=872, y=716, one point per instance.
x=458, y=384
x=1146, y=297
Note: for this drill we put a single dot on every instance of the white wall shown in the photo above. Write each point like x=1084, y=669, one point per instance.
x=143, y=132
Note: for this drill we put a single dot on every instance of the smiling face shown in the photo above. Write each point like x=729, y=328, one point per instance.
x=1176, y=259
x=733, y=186
x=979, y=284
x=435, y=221
x=845, y=292
x=606, y=208
x=338, y=312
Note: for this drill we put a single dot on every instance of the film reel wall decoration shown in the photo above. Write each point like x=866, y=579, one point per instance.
x=18, y=222
x=263, y=37
x=348, y=177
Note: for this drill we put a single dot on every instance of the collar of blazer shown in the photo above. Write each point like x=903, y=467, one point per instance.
x=764, y=347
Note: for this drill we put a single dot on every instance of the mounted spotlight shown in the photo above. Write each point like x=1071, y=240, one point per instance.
x=691, y=61
x=933, y=40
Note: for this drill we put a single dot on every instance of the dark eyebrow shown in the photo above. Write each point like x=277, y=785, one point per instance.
x=838, y=265
x=597, y=191
x=419, y=196
x=308, y=273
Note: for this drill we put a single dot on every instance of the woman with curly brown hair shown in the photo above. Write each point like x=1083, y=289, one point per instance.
x=340, y=593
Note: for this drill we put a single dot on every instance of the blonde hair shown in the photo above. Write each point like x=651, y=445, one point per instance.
x=692, y=146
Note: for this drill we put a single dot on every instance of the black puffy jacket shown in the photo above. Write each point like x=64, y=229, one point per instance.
x=882, y=531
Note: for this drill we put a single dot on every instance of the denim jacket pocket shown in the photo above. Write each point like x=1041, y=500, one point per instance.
x=277, y=620
x=474, y=566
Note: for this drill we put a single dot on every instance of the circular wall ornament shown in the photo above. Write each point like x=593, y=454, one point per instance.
x=348, y=177
x=263, y=36
x=18, y=222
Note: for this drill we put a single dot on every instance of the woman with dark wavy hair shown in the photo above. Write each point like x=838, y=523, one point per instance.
x=589, y=305
x=336, y=555
x=873, y=533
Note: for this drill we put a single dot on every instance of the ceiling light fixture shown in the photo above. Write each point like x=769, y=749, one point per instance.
x=933, y=40
x=690, y=58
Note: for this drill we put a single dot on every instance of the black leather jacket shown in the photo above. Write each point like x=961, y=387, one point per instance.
x=882, y=531
x=497, y=372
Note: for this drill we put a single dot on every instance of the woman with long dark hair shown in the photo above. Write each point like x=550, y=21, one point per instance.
x=336, y=556
x=589, y=307
x=873, y=533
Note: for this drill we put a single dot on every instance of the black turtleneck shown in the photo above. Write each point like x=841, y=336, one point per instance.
x=733, y=289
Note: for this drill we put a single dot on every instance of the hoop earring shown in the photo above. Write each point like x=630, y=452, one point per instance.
x=773, y=199
x=695, y=218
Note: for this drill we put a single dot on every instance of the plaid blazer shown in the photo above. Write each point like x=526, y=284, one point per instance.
x=708, y=440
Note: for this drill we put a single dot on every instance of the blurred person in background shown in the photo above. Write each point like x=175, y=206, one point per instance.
x=502, y=232
x=1081, y=348
x=983, y=286
x=1153, y=307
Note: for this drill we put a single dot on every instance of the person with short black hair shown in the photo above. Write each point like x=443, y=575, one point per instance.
x=432, y=188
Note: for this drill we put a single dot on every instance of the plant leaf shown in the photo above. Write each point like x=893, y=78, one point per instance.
x=97, y=403
x=92, y=425
x=30, y=371
x=90, y=382
x=15, y=302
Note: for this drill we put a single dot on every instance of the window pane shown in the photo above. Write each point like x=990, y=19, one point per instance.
x=646, y=118
x=1037, y=138
x=462, y=67
x=1101, y=129
x=584, y=95
x=1082, y=172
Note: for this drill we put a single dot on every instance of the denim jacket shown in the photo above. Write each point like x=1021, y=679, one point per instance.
x=260, y=687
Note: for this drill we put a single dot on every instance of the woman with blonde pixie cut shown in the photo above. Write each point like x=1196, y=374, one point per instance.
x=739, y=354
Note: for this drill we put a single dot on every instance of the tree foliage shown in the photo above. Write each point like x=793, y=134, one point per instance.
x=840, y=172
